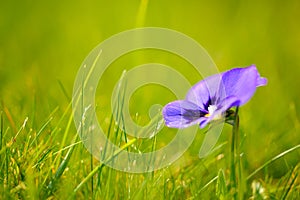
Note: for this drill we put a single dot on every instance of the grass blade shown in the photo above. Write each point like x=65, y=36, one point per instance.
x=273, y=159
x=62, y=166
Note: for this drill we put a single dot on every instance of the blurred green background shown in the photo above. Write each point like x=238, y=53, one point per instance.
x=42, y=42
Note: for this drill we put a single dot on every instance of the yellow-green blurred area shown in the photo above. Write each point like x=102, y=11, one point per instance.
x=43, y=43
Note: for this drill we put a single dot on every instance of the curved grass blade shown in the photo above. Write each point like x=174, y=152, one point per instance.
x=272, y=160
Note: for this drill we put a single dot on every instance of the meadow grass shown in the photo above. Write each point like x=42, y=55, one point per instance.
x=43, y=163
x=42, y=46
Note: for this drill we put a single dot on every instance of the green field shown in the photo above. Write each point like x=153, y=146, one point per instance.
x=42, y=46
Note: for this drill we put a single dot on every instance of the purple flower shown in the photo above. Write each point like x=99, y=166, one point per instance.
x=212, y=97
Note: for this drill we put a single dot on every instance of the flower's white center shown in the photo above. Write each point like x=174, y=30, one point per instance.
x=211, y=111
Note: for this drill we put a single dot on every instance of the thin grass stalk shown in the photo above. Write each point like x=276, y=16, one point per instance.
x=1, y=137
x=272, y=160
x=233, y=151
x=1, y=129
x=290, y=182
x=62, y=165
x=92, y=173
x=141, y=15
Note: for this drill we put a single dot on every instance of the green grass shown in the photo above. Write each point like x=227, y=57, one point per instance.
x=42, y=46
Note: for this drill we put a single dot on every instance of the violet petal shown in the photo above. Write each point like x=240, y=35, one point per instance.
x=242, y=82
x=181, y=114
x=201, y=93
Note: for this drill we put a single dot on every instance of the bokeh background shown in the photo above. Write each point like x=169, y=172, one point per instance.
x=43, y=43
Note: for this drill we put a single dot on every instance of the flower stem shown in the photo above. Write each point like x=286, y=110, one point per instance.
x=234, y=145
